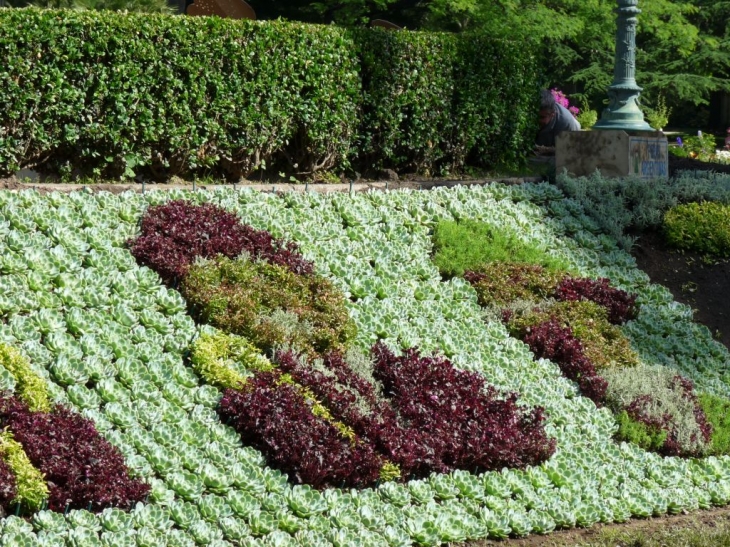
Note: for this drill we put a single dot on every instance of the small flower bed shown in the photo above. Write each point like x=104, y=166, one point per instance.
x=579, y=333
x=286, y=413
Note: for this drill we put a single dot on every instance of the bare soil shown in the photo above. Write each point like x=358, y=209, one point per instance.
x=701, y=520
x=694, y=279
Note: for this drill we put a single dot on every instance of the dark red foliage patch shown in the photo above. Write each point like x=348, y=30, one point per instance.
x=82, y=469
x=620, y=305
x=464, y=423
x=275, y=418
x=173, y=235
x=8, y=488
x=550, y=340
x=353, y=400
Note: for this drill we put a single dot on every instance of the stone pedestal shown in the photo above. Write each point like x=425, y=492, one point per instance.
x=614, y=153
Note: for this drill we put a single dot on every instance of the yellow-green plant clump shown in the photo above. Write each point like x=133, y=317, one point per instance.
x=30, y=483
x=29, y=386
x=469, y=244
x=226, y=360
x=702, y=227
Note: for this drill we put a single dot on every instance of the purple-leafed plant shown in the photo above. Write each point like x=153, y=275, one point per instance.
x=173, y=235
x=274, y=417
x=550, y=340
x=354, y=400
x=465, y=423
x=82, y=469
x=621, y=306
x=8, y=487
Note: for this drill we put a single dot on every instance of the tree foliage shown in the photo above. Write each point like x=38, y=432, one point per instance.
x=683, y=46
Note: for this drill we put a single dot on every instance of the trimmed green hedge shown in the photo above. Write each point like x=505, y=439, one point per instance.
x=435, y=102
x=112, y=94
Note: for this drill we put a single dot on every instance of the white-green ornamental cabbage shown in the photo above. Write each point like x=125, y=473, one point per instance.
x=76, y=303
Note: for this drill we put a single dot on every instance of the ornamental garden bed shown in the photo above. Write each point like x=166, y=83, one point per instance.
x=303, y=369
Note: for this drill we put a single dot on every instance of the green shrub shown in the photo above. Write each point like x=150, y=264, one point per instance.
x=702, y=227
x=30, y=387
x=242, y=297
x=603, y=343
x=433, y=101
x=468, y=245
x=113, y=93
x=717, y=411
x=632, y=431
x=144, y=6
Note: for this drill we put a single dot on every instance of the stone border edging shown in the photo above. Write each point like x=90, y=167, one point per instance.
x=286, y=187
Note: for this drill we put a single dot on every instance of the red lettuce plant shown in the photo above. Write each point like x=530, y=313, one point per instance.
x=353, y=400
x=173, y=235
x=8, y=487
x=82, y=469
x=275, y=418
x=550, y=340
x=621, y=306
x=463, y=422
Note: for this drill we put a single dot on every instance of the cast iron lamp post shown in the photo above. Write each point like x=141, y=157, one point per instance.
x=623, y=94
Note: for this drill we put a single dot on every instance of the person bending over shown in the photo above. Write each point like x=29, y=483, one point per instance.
x=554, y=118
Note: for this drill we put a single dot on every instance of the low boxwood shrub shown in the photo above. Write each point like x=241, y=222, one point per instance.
x=173, y=235
x=702, y=227
x=469, y=244
x=246, y=297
